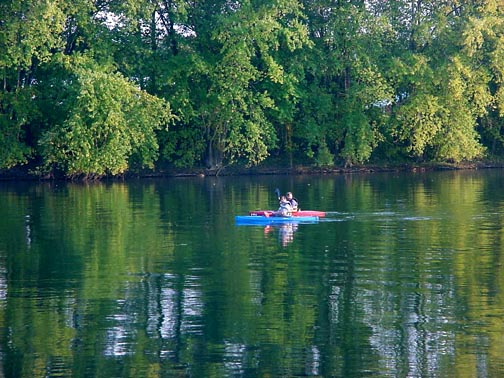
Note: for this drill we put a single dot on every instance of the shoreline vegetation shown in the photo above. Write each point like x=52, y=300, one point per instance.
x=24, y=175
x=95, y=90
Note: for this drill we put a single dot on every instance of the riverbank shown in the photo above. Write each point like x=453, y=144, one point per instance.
x=283, y=169
x=24, y=174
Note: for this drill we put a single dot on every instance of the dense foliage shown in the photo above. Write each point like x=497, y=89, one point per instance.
x=101, y=87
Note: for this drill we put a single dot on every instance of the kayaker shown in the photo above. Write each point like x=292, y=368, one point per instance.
x=285, y=209
x=292, y=201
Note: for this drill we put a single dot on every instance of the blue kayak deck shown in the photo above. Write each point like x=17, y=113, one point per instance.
x=258, y=219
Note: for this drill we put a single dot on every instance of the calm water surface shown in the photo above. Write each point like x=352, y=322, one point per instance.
x=152, y=278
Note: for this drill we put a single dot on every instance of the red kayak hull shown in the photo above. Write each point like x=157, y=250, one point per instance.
x=300, y=213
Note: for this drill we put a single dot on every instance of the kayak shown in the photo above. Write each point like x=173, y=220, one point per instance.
x=300, y=213
x=261, y=219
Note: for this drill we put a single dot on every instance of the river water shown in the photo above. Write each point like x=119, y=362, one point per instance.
x=153, y=278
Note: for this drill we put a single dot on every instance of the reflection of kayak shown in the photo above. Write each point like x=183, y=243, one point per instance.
x=261, y=219
x=300, y=213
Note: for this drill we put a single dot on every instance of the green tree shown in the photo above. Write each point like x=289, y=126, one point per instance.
x=441, y=91
x=110, y=127
x=483, y=46
x=344, y=75
x=29, y=33
x=235, y=82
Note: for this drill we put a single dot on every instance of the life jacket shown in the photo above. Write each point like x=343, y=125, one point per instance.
x=285, y=208
x=294, y=203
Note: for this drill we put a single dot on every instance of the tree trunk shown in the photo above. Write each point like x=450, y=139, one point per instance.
x=288, y=129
